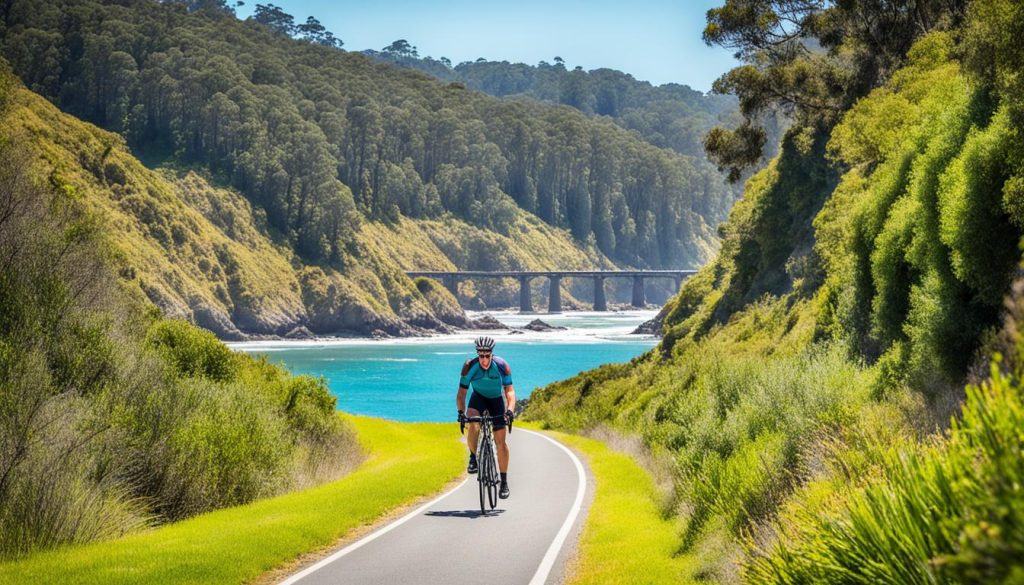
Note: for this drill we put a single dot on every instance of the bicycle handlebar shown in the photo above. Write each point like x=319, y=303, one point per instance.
x=495, y=418
x=480, y=419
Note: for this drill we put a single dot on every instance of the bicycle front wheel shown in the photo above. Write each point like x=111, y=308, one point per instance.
x=492, y=487
x=483, y=460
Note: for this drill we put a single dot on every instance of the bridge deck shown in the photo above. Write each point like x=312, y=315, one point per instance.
x=555, y=273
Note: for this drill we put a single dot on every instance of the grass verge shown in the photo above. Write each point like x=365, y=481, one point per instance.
x=405, y=461
x=625, y=538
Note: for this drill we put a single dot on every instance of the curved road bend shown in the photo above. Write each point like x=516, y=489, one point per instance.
x=447, y=540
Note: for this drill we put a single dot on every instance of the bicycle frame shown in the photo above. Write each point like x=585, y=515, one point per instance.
x=487, y=436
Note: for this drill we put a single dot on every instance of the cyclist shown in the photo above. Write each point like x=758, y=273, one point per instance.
x=491, y=379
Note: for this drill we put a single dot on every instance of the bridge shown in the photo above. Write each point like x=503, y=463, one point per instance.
x=451, y=282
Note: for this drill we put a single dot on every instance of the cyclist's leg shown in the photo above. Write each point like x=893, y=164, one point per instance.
x=473, y=429
x=497, y=406
x=499, y=438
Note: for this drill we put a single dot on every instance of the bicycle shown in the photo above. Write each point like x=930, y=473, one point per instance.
x=487, y=457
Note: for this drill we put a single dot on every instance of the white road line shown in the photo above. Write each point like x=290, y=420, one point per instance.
x=367, y=539
x=549, y=557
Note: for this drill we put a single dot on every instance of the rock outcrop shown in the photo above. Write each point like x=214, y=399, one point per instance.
x=486, y=322
x=538, y=325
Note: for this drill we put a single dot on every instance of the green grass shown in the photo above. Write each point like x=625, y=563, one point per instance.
x=625, y=538
x=948, y=511
x=405, y=462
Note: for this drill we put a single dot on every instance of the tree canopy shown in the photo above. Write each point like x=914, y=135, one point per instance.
x=811, y=60
x=319, y=138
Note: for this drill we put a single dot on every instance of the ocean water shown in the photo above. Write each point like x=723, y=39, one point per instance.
x=416, y=379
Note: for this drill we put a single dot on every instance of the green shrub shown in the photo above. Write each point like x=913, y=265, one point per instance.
x=310, y=407
x=981, y=239
x=192, y=351
x=230, y=449
x=892, y=273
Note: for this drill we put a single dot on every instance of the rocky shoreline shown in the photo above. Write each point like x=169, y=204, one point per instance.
x=402, y=329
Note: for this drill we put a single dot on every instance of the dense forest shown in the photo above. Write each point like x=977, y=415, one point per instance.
x=668, y=116
x=321, y=139
x=204, y=253
x=808, y=395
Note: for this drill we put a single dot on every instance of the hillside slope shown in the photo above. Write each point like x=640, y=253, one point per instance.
x=204, y=253
x=806, y=382
x=111, y=418
x=320, y=139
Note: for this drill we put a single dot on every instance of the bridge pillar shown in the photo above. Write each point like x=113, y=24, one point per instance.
x=525, y=301
x=451, y=282
x=638, y=292
x=679, y=282
x=600, y=303
x=555, y=298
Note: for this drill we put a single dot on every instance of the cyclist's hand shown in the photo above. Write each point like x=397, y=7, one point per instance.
x=461, y=418
x=510, y=416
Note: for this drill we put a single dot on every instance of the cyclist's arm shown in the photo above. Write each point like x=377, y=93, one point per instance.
x=510, y=397
x=506, y=383
x=464, y=381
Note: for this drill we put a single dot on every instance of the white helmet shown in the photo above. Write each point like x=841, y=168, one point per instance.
x=484, y=343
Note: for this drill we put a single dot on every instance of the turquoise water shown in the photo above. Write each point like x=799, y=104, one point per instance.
x=416, y=380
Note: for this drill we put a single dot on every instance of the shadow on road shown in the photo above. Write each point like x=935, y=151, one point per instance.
x=464, y=513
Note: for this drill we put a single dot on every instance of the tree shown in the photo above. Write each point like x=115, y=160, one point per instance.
x=401, y=48
x=275, y=18
x=811, y=59
x=316, y=33
x=215, y=7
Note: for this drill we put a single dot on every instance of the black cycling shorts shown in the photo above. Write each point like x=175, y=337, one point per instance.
x=495, y=406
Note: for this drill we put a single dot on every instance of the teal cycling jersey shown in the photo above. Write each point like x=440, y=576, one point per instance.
x=489, y=382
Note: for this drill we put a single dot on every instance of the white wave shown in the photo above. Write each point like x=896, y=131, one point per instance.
x=583, y=327
x=386, y=359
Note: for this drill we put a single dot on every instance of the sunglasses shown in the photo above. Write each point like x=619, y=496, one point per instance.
x=483, y=354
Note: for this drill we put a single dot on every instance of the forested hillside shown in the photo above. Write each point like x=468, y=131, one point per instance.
x=669, y=116
x=342, y=165
x=321, y=140
x=803, y=393
x=204, y=253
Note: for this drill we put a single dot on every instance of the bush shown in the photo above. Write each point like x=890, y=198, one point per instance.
x=310, y=407
x=230, y=449
x=192, y=351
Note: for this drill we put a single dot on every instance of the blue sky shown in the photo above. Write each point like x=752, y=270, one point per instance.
x=653, y=40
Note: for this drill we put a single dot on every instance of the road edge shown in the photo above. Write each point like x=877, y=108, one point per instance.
x=295, y=577
x=548, y=561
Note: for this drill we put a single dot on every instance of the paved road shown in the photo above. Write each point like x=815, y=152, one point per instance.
x=447, y=541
